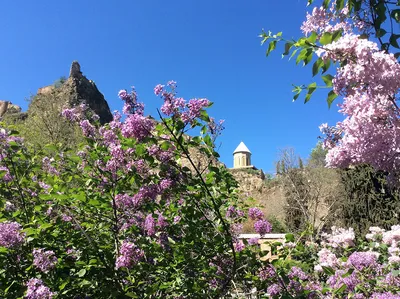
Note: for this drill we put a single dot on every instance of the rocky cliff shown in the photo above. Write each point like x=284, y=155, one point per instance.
x=8, y=108
x=77, y=89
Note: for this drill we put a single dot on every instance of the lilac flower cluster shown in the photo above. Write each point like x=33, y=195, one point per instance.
x=44, y=260
x=129, y=255
x=71, y=114
x=6, y=176
x=262, y=227
x=137, y=126
x=369, y=81
x=186, y=111
x=255, y=214
x=37, y=290
x=48, y=167
x=234, y=213
x=11, y=234
x=345, y=262
x=131, y=105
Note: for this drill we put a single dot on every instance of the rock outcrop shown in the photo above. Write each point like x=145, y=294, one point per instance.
x=10, y=110
x=77, y=89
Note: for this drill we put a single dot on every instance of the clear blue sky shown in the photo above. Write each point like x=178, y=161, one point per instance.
x=210, y=47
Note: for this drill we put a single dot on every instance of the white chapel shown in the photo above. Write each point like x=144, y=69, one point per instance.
x=242, y=157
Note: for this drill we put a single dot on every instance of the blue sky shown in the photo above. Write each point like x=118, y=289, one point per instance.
x=210, y=47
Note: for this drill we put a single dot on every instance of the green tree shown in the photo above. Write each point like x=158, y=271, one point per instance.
x=317, y=156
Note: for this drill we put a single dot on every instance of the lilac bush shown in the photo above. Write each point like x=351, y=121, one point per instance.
x=122, y=217
x=351, y=268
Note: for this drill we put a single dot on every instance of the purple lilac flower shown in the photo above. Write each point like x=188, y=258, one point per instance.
x=158, y=89
x=177, y=219
x=236, y=228
x=274, y=289
x=297, y=272
x=137, y=126
x=233, y=213
x=255, y=214
x=11, y=235
x=213, y=284
x=162, y=221
x=262, y=227
x=73, y=253
x=239, y=246
x=129, y=255
x=385, y=295
x=37, y=290
x=124, y=200
x=44, y=260
x=6, y=176
x=88, y=129
x=171, y=84
x=267, y=273
x=172, y=105
x=46, y=164
x=150, y=225
x=337, y=280
x=71, y=114
x=66, y=218
x=195, y=106
x=360, y=260
x=295, y=286
x=253, y=241
x=165, y=184
x=146, y=192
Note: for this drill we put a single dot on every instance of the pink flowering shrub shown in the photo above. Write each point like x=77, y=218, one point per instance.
x=338, y=265
x=354, y=37
x=121, y=217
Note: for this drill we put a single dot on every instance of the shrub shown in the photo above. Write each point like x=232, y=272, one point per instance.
x=121, y=218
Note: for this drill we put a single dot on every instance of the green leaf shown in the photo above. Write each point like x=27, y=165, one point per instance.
x=82, y=272
x=46, y=225
x=312, y=38
x=308, y=57
x=63, y=285
x=331, y=97
x=293, y=53
x=395, y=14
x=6, y=290
x=326, y=65
x=395, y=273
x=339, y=4
x=271, y=47
x=311, y=88
x=341, y=289
x=327, y=80
x=393, y=40
x=207, y=140
x=302, y=56
x=289, y=238
x=166, y=145
x=326, y=38
x=328, y=270
x=326, y=3
x=336, y=35
x=296, y=96
x=317, y=66
x=204, y=116
x=288, y=46
x=380, y=32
